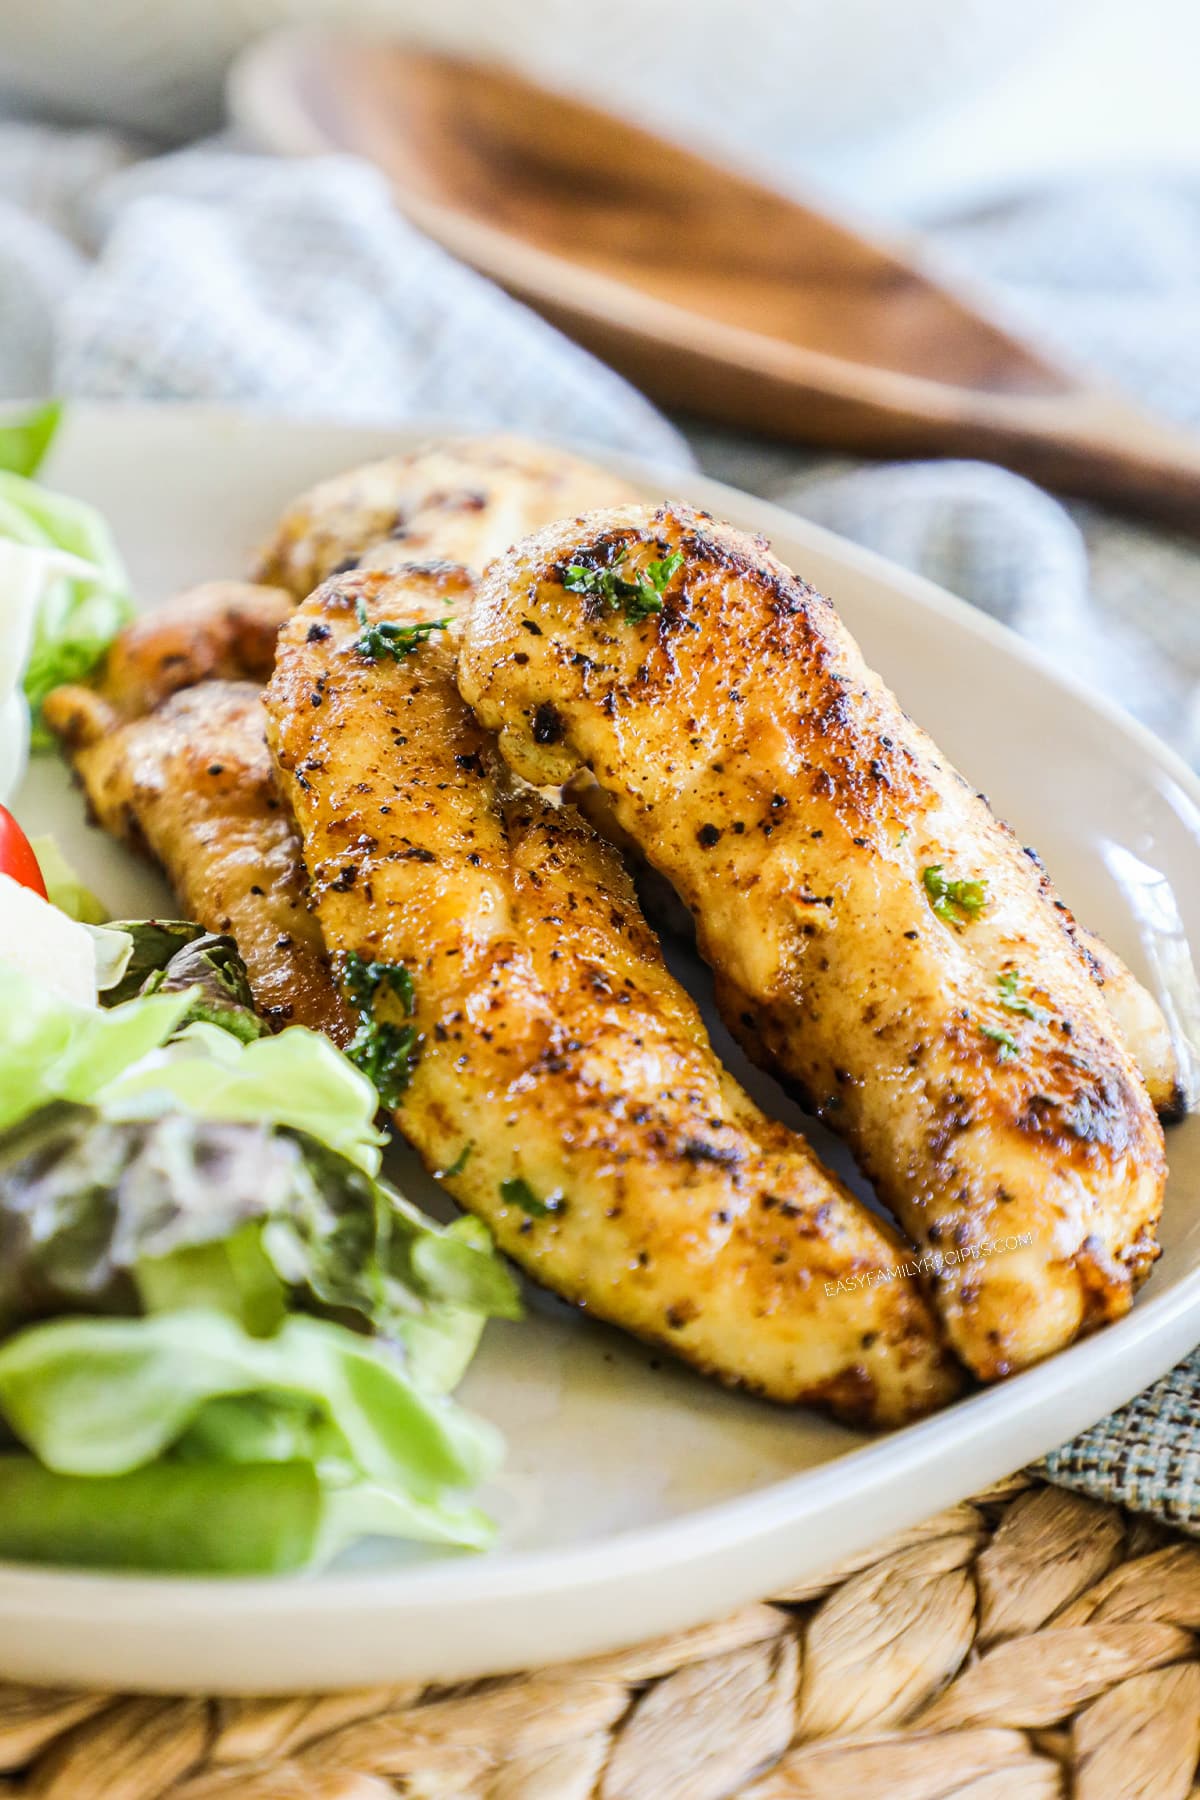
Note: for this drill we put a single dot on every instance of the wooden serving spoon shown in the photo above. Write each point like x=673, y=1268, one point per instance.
x=714, y=293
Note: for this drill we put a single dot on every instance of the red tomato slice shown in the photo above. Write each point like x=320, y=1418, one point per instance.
x=16, y=857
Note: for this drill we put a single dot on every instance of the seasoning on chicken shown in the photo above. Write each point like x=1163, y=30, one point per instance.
x=1135, y=1012
x=191, y=786
x=878, y=936
x=538, y=1052
x=466, y=497
x=220, y=630
x=463, y=500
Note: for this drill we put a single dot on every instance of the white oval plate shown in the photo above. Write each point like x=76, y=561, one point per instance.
x=638, y=1499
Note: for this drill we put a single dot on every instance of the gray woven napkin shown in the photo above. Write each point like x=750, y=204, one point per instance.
x=218, y=276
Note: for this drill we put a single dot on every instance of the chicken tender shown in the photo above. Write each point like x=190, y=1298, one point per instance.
x=220, y=630
x=463, y=500
x=878, y=936
x=468, y=498
x=1137, y=1016
x=1135, y=1012
x=542, y=1058
x=191, y=785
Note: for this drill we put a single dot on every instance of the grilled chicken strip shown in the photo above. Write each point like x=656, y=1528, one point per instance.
x=465, y=498
x=1137, y=1016
x=1134, y=1010
x=220, y=630
x=562, y=1083
x=191, y=786
x=878, y=936
x=462, y=500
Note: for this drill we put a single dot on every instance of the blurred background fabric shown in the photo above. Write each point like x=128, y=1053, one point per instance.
x=209, y=275
x=902, y=108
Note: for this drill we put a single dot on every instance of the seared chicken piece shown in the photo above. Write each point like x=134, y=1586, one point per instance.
x=463, y=500
x=469, y=498
x=1139, y=1019
x=1135, y=1012
x=222, y=629
x=561, y=1081
x=191, y=785
x=878, y=936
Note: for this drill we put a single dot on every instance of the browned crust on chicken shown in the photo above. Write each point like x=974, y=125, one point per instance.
x=564, y=1085
x=464, y=497
x=1135, y=1012
x=170, y=748
x=191, y=785
x=221, y=630
x=462, y=500
x=759, y=764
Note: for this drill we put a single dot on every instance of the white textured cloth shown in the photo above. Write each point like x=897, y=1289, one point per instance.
x=288, y=286
x=294, y=287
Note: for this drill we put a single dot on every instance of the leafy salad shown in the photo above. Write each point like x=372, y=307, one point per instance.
x=227, y=1343
x=64, y=593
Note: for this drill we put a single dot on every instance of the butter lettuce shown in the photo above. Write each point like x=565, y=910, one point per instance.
x=98, y=1400
x=64, y=593
x=26, y=435
x=117, y=1216
x=104, y=1396
x=112, y=948
x=297, y=1079
x=55, y=1049
x=190, y=1225
x=64, y=888
x=120, y=1058
x=62, y=578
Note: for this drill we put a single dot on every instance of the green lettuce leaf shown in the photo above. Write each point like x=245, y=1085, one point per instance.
x=234, y=1274
x=122, y=1216
x=155, y=942
x=119, y=1059
x=212, y=968
x=26, y=436
x=366, y=1509
x=104, y=1397
x=53, y=1049
x=298, y=1079
x=112, y=945
x=64, y=889
x=113, y=951
x=78, y=613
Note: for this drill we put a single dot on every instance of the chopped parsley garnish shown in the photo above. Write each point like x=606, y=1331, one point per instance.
x=384, y=1051
x=386, y=1054
x=516, y=1191
x=1008, y=1045
x=638, y=598
x=459, y=1163
x=363, y=980
x=387, y=638
x=1012, y=999
x=954, y=902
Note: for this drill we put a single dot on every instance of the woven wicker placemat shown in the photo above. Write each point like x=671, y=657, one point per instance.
x=1028, y=1645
